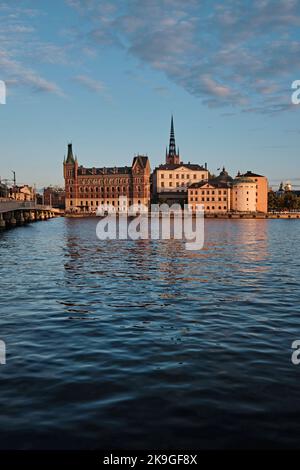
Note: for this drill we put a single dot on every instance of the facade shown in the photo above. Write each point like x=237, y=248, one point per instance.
x=224, y=194
x=170, y=181
x=54, y=196
x=89, y=188
x=244, y=195
x=262, y=189
x=214, y=194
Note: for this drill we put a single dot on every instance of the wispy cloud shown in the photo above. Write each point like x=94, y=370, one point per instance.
x=235, y=53
x=18, y=45
x=91, y=84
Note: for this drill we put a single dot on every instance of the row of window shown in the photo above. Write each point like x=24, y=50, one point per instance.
x=224, y=199
x=208, y=208
x=183, y=176
x=208, y=192
x=112, y=203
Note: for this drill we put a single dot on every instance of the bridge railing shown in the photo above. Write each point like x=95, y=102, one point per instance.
x=7, y=206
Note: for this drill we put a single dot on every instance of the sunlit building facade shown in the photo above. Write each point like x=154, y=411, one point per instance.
x=89, y=188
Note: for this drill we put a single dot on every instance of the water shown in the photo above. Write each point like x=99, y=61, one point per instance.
x=142, y=344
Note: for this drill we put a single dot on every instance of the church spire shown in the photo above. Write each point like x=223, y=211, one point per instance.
x=172, y=145
x=172, y=157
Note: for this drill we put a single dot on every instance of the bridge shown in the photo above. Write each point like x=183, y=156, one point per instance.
x=14, y=213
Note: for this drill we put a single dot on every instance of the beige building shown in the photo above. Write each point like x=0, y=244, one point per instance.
x=23, y=193
x=262, y=188
x=214, y=195
x=170, y=181
x=244, y=195
x=223, y=194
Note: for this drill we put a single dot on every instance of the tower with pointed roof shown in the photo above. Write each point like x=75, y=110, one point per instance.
x=172, y=156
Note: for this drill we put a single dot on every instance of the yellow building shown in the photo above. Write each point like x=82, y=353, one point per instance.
x=170, y=181
x=214, y=195
x=262, y=188
x=23, y=193
x=244, y=195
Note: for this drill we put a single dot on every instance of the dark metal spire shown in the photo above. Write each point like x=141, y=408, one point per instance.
x=172, y=145
x=70, y=157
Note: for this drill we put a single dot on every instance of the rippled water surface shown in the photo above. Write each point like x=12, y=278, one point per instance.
x=142, y=344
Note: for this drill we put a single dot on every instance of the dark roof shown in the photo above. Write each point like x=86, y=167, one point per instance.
x=223, y=177
x=82, y=171
x=141, y=159
x=121, y=170
x=70, y=157
x=250, y=174
x=216, y=184
x=242, y=179
x=190, y=166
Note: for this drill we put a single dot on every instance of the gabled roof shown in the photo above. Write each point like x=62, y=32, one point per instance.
x=141, y=159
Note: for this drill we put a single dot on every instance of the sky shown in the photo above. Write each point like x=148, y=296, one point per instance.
x=108, y=75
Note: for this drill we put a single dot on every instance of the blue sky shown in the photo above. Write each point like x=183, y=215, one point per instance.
x=108, y=75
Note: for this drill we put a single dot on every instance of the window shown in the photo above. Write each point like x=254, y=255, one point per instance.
x=195, y=177
x=182, y=177
x=162, y=176
x=171, y=176
x=162, y=185
x=170, y=184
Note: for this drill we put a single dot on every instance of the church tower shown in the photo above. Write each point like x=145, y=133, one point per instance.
x=172, y=157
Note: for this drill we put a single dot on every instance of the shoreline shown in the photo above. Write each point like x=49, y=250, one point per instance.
x=270, y=215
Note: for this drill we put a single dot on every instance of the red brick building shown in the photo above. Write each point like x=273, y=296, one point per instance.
x=89, y=188
x=54, y=197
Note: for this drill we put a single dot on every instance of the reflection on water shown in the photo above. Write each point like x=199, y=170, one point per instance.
x=143, y=344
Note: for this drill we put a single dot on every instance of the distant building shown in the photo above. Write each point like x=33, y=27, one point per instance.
x=170, y=181
x=89, y=188
x=22, y=193
x=214, y=194
x=54, y=197
x=4, y=190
